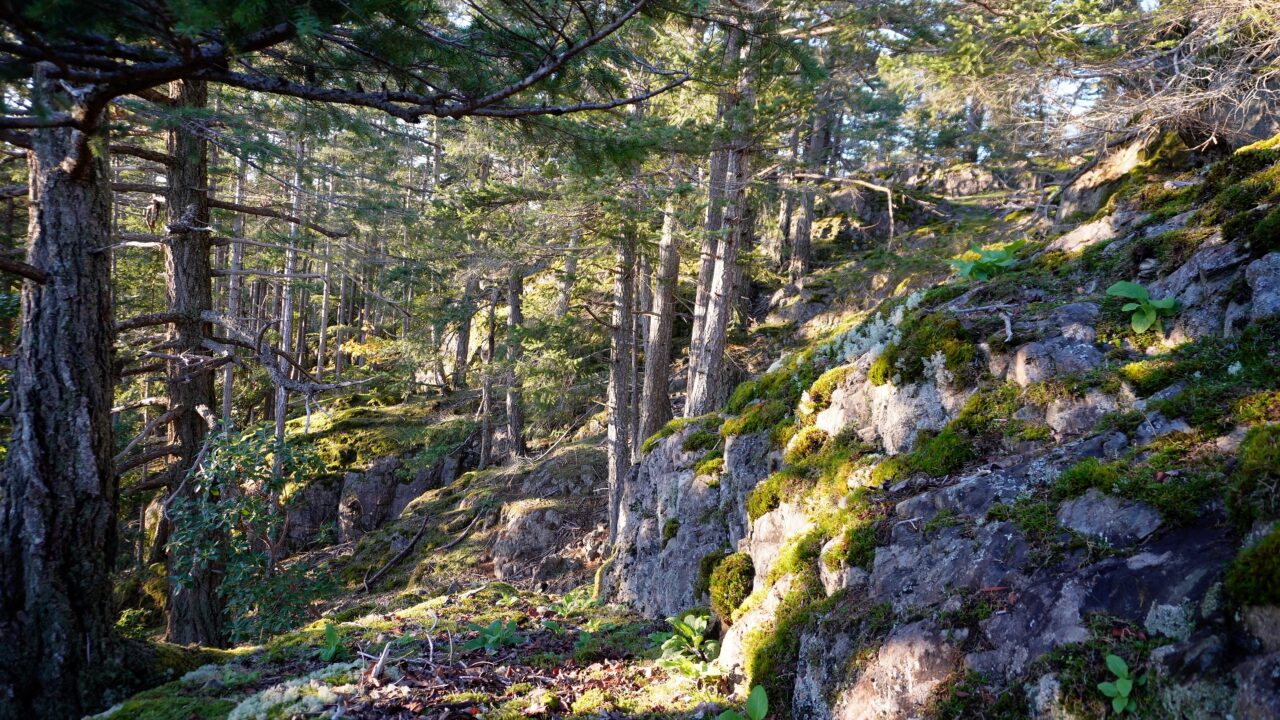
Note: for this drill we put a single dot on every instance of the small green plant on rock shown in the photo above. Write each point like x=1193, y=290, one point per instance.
x=1146, y=312
x=686, y=649
x=988, y=263
x=332, y=650
x=757, y=707
x=1120, y=690
x=493, y=637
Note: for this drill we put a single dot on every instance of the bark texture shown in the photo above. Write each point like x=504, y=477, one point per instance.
x=656, y=397
x=58, y=494
x=619, y=391
x=195, y=611
x=515, y=352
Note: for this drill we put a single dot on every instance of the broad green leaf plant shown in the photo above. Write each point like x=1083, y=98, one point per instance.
x=493, y=637
x=988, y=263
x=686, y=648
x=1146, y=312
x=757, y=707
x=1120, y=690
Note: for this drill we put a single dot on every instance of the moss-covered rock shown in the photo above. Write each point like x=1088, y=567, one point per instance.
x=1254, y=495
x=730, y=583
x=1254, y=577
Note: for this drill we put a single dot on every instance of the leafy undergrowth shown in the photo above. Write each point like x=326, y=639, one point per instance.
x=493, y=652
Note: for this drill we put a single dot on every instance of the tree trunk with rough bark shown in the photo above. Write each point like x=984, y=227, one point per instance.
x=462, y=350
x=713, y=225
x=706, y=366
x=515, y=352
x=58, y=493
x=195, y=610
x=656, y=397
x=815, y=151
x=619, y=390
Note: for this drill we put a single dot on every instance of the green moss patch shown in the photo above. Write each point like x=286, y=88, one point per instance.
x=924, y=337
x=1255, y=485
x=1254, y=577
x=730, y=583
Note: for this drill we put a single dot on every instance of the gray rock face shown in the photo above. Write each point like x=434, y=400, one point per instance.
x=367, y=499
x=1259, y=695
x=1201, y=286
x=1109, y=518
x=1264, y=280
x=913, y=661
x=1067, y=348
x=732, y=651
x=890, y=415
x=656, y=574
x=526, y=536
x=1073, y=416
x=1092, y=233
x=1089, y=190
x=770, y=532
x=922, y=567
x=1175, y=570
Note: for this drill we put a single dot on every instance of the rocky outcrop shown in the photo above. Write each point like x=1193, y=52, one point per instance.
x=552, y=534
x=670, y=518
x=360, y=502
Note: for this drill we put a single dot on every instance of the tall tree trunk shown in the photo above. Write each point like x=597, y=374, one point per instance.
x=515, y=352
x=195, y=611
x=58, y=494
x=233, y=294
x=462, y=350
x=486, y=389
x=714, y=223
x=619, y=390
x=656, y=397
x=568, y=275
x=286, y=292
x=815, y=151
x=322, y=340
x=706, y=375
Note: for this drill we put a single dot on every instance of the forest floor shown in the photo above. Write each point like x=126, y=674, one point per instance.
x=493, y=651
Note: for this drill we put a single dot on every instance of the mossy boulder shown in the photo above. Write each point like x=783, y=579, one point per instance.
x=730, y=583
x=1254, y=577
x=1254, y=495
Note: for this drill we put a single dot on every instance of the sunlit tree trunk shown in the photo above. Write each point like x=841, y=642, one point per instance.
x=515, y=352
x=656, y=398
x=619, y=390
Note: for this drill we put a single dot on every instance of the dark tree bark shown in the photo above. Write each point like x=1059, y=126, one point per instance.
x=58, y=494
x=195, y=610
x=486, y=389
x=619, y=391
x=656, y=397
x=515, y=352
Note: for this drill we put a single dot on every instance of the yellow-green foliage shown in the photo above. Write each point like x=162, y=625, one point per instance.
x=730, y=583
x=1254, y=495
x=820, y=391
x=806, y=442
x=757, y=417
x=674, y=426
x=1236, y=187
x=822, y=473
x=352, y=438
x=711, y=464
x=1179, y=497
x=591, y=702
x=173, y=708
x=941, y=454
x=923, y=337
x=1254, y=577
x=669, y=531
x=784, y=385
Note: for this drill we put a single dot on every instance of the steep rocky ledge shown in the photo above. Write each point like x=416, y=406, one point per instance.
x=970, y=496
